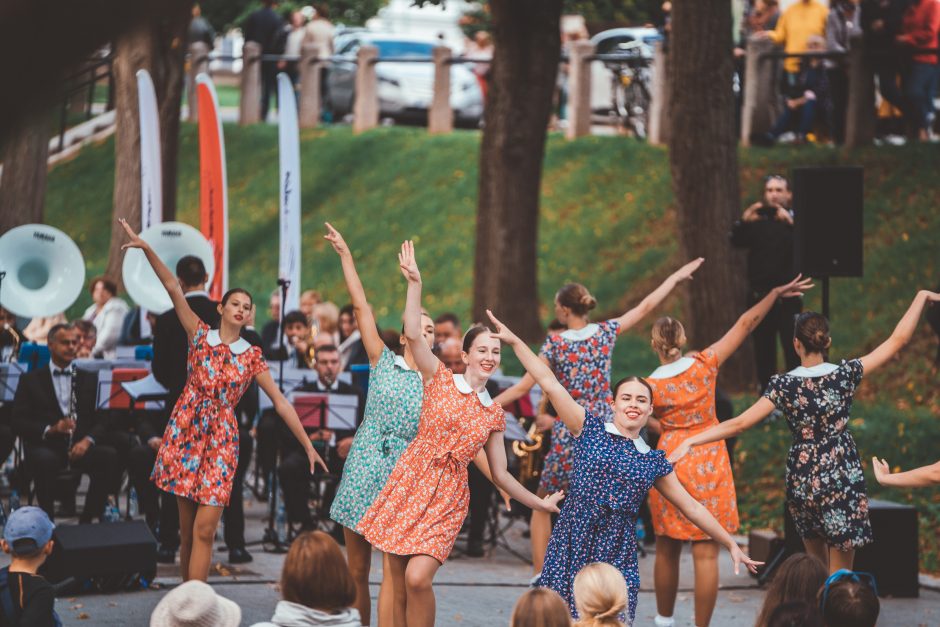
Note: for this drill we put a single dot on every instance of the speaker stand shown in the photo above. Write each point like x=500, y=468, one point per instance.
x=825, y=298
x=271, y=543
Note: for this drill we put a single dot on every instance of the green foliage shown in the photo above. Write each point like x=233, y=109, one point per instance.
x=226, y=14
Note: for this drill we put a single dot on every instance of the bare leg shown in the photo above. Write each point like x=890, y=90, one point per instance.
x=705, y=558
x=359, y=558
x=419, y=577
x=396, y=572
x=818, y=549
x=840, y=559
x=207, y=521
x=386, y=604
x=666, y=574
x=187, y=511
x=540, y=530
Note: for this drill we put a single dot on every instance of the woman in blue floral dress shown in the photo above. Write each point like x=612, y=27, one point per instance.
x=826, y=493
x=581, y=359
x=613, y=470
x=389, y=425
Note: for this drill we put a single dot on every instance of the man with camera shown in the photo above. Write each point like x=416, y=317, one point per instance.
x=765, y=230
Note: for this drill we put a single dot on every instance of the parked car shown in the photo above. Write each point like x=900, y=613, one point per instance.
x=405, y=88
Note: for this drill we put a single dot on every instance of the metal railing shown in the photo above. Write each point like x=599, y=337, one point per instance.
x=86, y=78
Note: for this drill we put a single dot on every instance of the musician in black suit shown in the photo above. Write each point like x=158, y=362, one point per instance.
x=54, y=412
x=293, y=474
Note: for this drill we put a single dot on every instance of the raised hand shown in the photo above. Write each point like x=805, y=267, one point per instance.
x=133, y=240
x=336, y=239
x=407, y=263
x=501, y=331
x=796, y=287
x=881, y=468
x=685, y=272
x=740, y=557
x=550, y=502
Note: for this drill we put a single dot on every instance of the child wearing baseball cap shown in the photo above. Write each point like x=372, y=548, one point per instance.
x=25, y=597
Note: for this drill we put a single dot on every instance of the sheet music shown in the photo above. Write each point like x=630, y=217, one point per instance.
x=97, y=365
x=146, y=388
x=341, y=410
x=9, y=380
x=514, y=431
x=294, y=377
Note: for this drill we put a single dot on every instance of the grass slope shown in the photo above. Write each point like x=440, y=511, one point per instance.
x=607, y=221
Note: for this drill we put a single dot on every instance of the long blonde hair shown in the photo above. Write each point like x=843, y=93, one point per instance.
x=540, y=607
x=600, y=594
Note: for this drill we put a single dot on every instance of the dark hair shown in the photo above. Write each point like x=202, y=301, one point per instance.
x=191, y=271
x=83, y=326
x=556, y=325
x=327, y=348
x=347, y=309
x=849, y=603
x=812, y=330
x=798, y=579
x=322, y=10
x=577, y=298
x=236, y=290
x=57, y=328
x=315, y=574
x=448, y=316
x=295, y=317
x=776, y=177
x=631, y=380
x=795, y=614
x=108, y=284
x=471, y=335
x=392, y=340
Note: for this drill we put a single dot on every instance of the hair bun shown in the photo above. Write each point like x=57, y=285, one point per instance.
x=589, y=301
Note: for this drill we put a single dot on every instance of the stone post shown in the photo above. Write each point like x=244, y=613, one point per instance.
x=311, y=67
x=249, y=103
x=658, y=133
x=366, y=107
x=579, y=90
x=198, y=63
x=758, y=112
x=440, y=114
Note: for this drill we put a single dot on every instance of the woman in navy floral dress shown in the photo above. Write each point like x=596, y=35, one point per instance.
x=826, y=493
x=581, y=359
x=613, y=470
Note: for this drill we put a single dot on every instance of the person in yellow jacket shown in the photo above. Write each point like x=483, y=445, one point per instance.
x=800, y=21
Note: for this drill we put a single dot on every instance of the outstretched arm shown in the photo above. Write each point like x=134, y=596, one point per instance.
x=517, y=391
x=749, y=320
x=289, y=415
x=495, y=448
x=902, y=333
x=371, y=339
x=728, y=429
x=917, y=478
x=673, y=491
x=425, y=360
x=658, y=295
x=568, y=409
x=171, y=284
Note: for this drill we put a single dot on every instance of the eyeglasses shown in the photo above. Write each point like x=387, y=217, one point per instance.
x=843, y=574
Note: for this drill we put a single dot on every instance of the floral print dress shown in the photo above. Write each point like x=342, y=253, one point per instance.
x=612, y=474
x=426, y=498
x=199, y=453
x=826, y=493
x=390, y=424
x=581, y=360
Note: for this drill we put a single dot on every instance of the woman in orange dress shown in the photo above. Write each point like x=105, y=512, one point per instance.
x=416, y=517
x=684, y=404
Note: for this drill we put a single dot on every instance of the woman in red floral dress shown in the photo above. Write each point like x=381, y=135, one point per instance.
x=199, y=452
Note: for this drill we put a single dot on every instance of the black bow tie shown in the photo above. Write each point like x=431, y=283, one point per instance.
x=62, y=373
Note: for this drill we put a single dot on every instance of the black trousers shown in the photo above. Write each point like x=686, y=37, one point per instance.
x=778, y=323
x=159, y=507
x=268, y=86
x=268, y=430
x=234, y=514
x=481, y=499
x=7, y=439
x=47, y=461
x=294, y=475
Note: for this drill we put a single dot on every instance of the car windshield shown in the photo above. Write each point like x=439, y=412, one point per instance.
x=391, y=48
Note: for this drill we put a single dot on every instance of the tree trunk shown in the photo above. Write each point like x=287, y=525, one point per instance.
x=23, y=183
x=157, y=45
x=704, y=160
x=519, y=103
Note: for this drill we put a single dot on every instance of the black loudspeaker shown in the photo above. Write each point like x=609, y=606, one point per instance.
x=827, y=207
x=893, y=558
x=117, y=552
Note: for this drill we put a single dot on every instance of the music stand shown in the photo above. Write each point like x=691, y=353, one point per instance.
x=111, y=393
x=9, y=380
x=323, y=410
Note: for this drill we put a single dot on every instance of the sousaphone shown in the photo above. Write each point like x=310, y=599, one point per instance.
x=45, y=272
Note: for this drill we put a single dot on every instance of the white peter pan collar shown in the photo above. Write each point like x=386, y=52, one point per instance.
x=399, y=361
x=672, y=369
x=580, y=334
x=819, y=370
x=237, y=347
x=638, y=441
x=464, y=388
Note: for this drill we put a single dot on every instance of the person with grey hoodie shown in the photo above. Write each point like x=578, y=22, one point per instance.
x=316, y=586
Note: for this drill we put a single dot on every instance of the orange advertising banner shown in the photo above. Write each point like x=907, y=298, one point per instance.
x=213, y=189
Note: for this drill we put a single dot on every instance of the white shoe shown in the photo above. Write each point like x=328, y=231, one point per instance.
x=534, y=581
x=664, y=621
x=895, y=140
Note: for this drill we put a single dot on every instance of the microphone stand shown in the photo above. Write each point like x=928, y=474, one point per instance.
x=270, y=541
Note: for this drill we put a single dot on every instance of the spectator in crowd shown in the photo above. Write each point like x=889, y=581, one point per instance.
x=266, y=28
x=292, y=46
x=600, y=594
x=540, y=607
x=795, y=614
x=87, y=338
x=200, y=30
x=798, y=579
x=481, y=47
x=320, y=31
x=920, y=28
x=447, y=325
x=27, y=538
x=351, y=350
x=194, y=603
x=38, y=328
x=842, y=25
x=917, y=478
x=849, y=599
x=800, y=21
x=107, y=314
x=765, y=230
x=326, y=316
x=316, y=586
x=296, y=351
x=270, y=342
x=309, y=299
x=881, y=23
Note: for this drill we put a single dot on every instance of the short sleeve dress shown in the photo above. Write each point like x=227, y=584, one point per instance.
x=199, y=453
x=826, y=493
x=581, y=360
x=390, y=423
x=612, y=474
x=684, y=403
x=426, y=498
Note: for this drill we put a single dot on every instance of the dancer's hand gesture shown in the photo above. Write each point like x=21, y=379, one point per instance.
x=679, y=452
x=685, y=272
x=333, y=237
x=407, y=263
x=133, y=240
x=881, y=468
x=740, y=557
x=501, y=331
x=315, y=459
x=796, y=287
x=550, y=502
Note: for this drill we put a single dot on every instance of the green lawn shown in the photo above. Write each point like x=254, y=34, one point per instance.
x=607, y=221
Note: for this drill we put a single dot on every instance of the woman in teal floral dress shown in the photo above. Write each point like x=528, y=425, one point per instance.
x=388, y=426
x=826, y=493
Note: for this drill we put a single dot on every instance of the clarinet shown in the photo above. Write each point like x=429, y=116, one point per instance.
x=73, y=408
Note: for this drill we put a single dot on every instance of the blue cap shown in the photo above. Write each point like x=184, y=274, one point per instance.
x=28, y=529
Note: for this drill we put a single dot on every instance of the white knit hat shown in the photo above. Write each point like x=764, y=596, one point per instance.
x=195, y=604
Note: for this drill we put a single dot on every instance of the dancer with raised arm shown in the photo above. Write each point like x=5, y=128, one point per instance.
x=613, y=470
x=580, y=357
x=684, y=403
x=198, y=457
x=390, y=423
x=418, y=513
x=826, y=493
